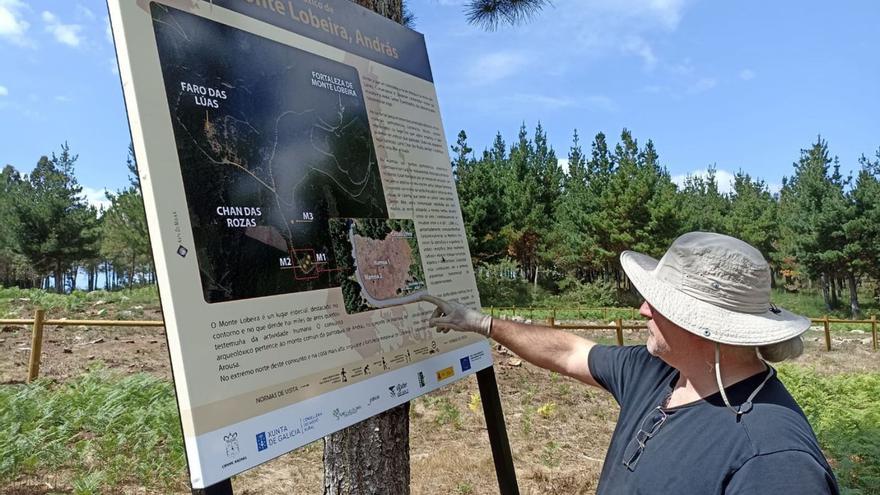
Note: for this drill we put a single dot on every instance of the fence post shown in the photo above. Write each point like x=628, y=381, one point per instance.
x=514, y=311
x=827, y=334
x=552, y=320
x=874, y=331
x=633, y=312
x=36, y=345
x=492, y=311
x=604, y=313
x=619, y=331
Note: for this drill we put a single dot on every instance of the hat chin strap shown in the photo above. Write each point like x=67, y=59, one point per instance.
x=747, y=405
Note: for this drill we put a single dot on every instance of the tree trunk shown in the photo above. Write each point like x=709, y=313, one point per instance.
x=131, y=273
x=59, y=279
x=835, y=300
x=371, y=457
x=853, y=296
x=825, y=298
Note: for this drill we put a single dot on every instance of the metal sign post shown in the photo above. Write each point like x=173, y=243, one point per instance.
x=497, y=432
x=222, y=488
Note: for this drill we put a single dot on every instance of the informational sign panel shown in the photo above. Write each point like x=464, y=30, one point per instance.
x=300, y=200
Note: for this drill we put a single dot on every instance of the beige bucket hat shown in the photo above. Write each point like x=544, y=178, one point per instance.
x=715, y=286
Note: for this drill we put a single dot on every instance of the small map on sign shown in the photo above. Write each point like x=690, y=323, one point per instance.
x=379, y=262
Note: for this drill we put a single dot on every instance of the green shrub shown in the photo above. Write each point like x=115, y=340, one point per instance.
x=108, y=430
x=498, y=287
x=594, y=295
x=844, y=410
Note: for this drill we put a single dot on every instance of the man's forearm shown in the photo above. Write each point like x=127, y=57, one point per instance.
x=546, y=347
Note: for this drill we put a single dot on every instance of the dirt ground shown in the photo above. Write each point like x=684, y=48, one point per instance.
x=558, y=429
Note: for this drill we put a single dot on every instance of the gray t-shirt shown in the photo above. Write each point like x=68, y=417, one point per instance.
x=703, y=447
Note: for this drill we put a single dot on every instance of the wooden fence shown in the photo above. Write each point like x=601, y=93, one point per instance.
x=619, y=327
x=39, y=321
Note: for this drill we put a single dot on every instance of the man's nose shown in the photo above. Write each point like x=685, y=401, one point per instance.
x=645, y=310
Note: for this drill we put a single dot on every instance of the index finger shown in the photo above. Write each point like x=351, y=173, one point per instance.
x=433, y=300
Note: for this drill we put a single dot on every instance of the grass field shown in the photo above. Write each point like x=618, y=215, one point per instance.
x=105, y=431
x=104, y=419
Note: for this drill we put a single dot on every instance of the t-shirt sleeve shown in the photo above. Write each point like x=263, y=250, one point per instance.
x=622, y=369
x=789, y=471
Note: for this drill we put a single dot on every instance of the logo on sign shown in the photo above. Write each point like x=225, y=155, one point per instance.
x=445, y=373
x=421, y=379
x=262, y=444
x=465, y=363
x=344, y=413
x=231, y=440
x=399, y=390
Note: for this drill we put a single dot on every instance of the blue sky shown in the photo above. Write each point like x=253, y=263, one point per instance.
x=743, y=85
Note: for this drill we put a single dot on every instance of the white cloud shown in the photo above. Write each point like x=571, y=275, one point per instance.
x=63, y=99
x=601, y=28
x=13, y=27
x=722, y=177
x=68, y=34
x=703, y=84
x=494, y=67
x=747, y=74
x=601, y=102
x=84, y=12
x=95, y=197
x=3, y=91
x=578, y=36
x=683, y=68
x=666, y=13
x=563, y=164
x=636, y=45
x=108, y=31
x=546, y=102
x=551, y=102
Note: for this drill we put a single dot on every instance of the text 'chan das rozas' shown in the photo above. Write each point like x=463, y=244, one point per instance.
x=237, y=216
x=322, y=20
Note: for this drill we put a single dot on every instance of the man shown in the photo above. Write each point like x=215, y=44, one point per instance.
x=700, y=409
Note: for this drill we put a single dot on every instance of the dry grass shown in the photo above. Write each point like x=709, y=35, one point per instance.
x=558, y=429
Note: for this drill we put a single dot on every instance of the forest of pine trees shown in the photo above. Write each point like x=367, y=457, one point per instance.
x=521, y=209
x=52, y=236
x=525, y=217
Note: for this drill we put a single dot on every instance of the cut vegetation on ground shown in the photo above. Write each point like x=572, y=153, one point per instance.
x=103, y=418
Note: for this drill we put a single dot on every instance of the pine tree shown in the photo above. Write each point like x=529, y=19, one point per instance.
x=570, y=240
x=480, y=193
x=54, y=227
x=862, y=231
x=704, y=205
x=752, y=215
x=14, y=267
x=814, y=209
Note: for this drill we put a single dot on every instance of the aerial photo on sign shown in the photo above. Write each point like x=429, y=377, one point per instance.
x=379, y=261
x=273, y=143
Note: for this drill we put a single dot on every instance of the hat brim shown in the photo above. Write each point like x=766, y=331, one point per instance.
x=707, y=320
